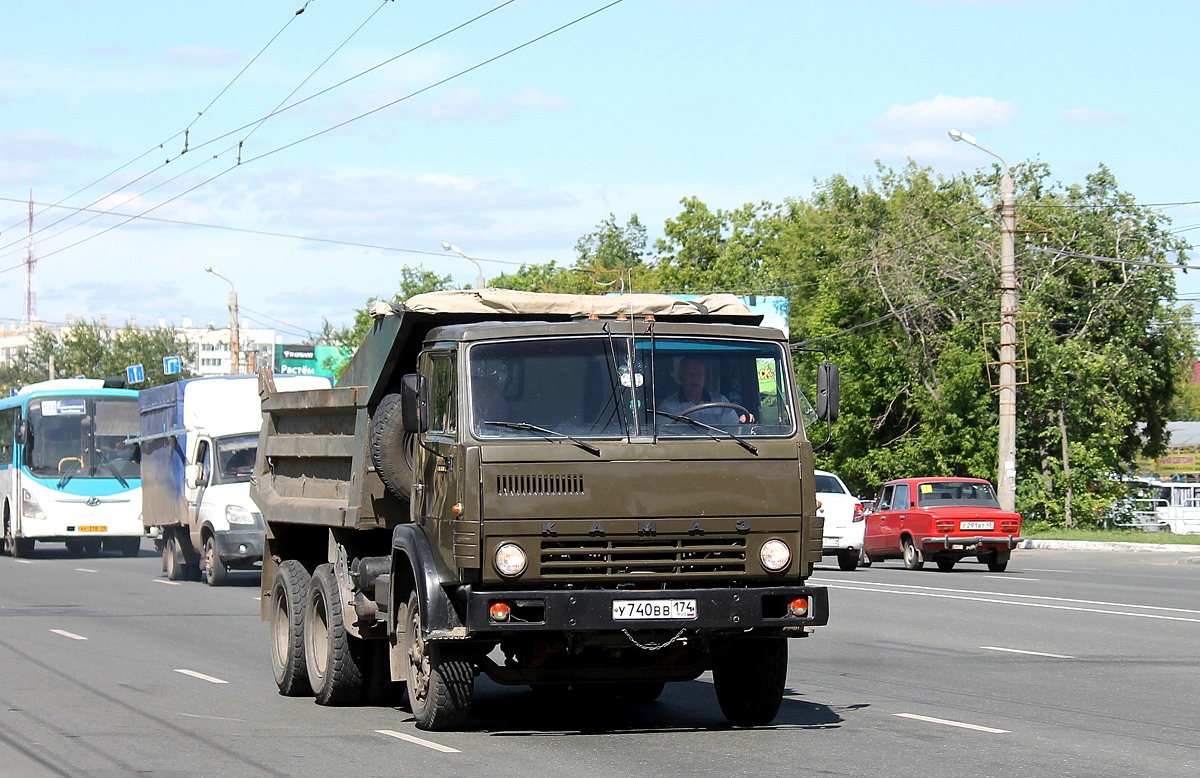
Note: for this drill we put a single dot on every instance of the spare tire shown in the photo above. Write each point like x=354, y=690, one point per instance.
x=391, y=447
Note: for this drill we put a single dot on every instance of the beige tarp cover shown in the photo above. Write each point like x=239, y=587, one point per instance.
x=512, y=302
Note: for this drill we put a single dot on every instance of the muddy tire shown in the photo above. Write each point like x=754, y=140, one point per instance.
x=289, y=592
x=336, y=661
x=440, y=676
x=750, y=679
x=215, y=572
x=391, y=448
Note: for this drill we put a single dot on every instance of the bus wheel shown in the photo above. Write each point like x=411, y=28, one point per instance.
x=16, y=547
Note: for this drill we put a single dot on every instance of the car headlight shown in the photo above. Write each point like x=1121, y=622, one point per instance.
x=775, y=555
x=30, y=507
x=510, y=560
x=236, y=514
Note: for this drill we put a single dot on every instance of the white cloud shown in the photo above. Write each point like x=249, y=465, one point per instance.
x=1091, y=117
x=942, y=112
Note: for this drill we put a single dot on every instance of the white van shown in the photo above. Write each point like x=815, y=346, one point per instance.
x=844, y=520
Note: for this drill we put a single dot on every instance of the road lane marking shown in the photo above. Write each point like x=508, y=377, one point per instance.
x=418, y=741
x=950, y=723
x=928, y=591
x=1046, y=570
x=1026, y=653
x=23, y=561
x=1010, y=577
x=86, y=570
x=211, y=718
x=1103, y=611
x=168, y=583
x=66, y=634
x=201, y=676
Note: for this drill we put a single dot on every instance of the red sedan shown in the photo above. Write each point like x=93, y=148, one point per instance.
x=945, y=519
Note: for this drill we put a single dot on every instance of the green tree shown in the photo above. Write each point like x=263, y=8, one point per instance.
x=95, y=350
x=413, y=281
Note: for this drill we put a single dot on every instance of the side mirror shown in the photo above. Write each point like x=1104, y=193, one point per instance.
x=195, y=475
x=414, y=403
x=828, y=390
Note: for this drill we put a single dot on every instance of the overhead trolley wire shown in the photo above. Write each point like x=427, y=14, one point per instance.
x=183, y=132
x=440, y=82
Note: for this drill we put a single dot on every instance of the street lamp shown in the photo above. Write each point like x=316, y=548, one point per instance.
x=480, y=283
x=1006, y=482
x=234, y=345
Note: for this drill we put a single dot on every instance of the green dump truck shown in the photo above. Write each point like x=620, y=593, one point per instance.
x=599, y=492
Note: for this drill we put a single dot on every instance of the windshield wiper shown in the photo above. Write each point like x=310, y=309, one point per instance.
x=522, y=425
x=113, y=468
x=72, y=466
x=677, y=417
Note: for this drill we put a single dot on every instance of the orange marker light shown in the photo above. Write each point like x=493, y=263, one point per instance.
x=799, y=606
x=457, y=509
x=499, y=611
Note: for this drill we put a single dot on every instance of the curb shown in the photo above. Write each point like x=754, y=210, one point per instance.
x=1092, y=545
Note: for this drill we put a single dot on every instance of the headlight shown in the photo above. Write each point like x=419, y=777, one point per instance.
x=236, y=514
x=30, y=507
x=775, y=555
x=510, y=560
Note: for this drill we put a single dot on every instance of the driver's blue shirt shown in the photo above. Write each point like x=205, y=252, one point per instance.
x=676, y=403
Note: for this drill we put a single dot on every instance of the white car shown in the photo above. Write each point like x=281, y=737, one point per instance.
x=844, y=520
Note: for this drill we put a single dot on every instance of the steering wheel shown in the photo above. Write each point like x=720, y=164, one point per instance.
x=69, y=459
x=742, y=410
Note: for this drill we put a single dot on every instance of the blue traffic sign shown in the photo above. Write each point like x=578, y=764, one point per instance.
x=172, y=365
x=134, y=374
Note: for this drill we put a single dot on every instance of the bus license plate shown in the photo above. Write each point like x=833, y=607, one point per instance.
x=625, y=610
x=977, y=525
x=94, y=528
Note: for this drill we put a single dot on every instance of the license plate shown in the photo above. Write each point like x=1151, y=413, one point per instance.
x=625, y=610
x=977, y=525
x=94, y=528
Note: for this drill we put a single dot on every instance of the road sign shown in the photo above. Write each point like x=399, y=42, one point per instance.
x=134, y=374
x=172, y=365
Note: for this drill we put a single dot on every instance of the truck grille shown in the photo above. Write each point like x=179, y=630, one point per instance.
x=634, y=559
x=538, y=485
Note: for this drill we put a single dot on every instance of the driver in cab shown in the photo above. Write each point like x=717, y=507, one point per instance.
x=692, y=392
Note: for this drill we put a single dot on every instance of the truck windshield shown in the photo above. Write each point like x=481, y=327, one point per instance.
x=235, y=458
x=586, y=387
x=947, y=493
x=82, y=437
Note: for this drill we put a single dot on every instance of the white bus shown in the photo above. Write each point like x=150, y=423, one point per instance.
x=67, y=474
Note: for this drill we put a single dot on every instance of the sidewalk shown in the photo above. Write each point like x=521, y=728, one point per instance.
x=1091, y=545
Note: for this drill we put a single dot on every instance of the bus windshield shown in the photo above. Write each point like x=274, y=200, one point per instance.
x=81, y=437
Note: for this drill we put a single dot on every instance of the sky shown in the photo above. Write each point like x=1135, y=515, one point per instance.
x=309, y=157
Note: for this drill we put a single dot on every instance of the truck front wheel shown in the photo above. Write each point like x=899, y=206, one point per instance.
x=440, y=676
x=289, y=592
x=336, y=660
x=215, y=571
x=749, y=680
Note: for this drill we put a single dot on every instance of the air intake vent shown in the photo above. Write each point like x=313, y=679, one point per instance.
x=547, y=484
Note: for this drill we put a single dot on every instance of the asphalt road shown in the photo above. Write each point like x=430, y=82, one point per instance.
x=1073, y=663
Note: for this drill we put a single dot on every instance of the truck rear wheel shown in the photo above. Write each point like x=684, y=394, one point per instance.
x=440, y=676
x=173, y=558
x=390, y=447
x=749, y=680
x=215, y=571
x=336, y=660
x=289, y=592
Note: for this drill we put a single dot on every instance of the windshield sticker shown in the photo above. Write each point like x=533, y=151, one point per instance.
x=926, y=488
x=72, y=407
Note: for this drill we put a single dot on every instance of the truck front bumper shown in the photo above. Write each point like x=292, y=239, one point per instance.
x=241, y=548
x=592, y=610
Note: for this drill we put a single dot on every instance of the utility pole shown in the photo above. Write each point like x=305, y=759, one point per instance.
x=234, y=345
x=1006, y=479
